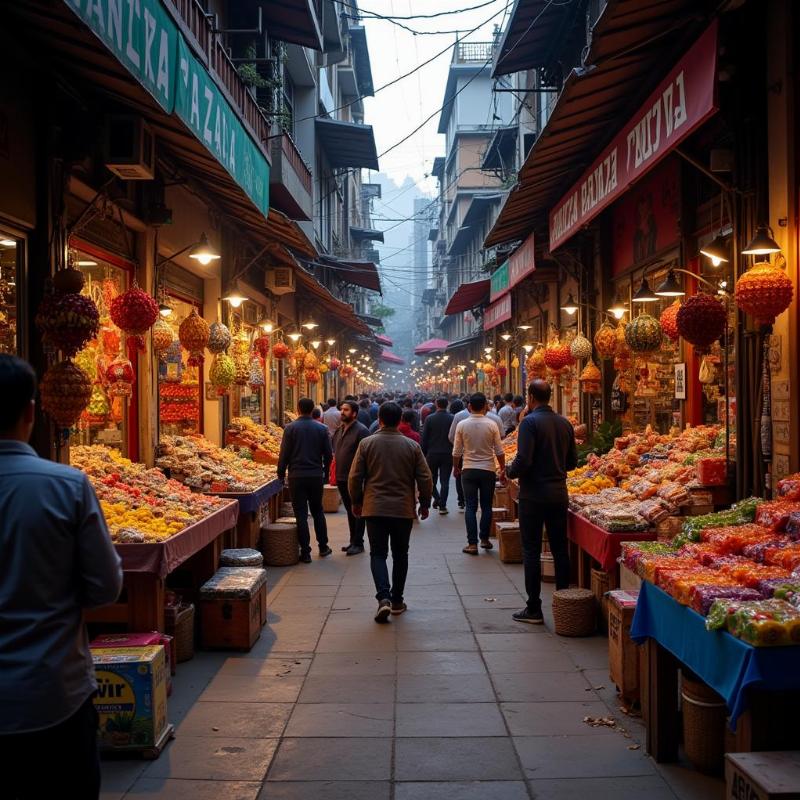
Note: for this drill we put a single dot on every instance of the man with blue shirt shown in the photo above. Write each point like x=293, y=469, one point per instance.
x=56, y=560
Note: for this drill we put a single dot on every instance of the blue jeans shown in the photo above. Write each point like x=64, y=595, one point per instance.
x=478, y=487
x=382, y=532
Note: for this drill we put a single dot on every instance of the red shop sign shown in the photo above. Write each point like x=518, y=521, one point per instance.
x=521, y=263
x=683, y=101
x=497, y=312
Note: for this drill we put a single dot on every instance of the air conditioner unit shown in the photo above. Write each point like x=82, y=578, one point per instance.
x=130, y=148
x=279, y=280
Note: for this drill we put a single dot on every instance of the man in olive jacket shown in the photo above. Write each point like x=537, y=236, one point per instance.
x=385, y=471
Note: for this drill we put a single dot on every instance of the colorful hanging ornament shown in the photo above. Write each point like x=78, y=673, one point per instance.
x=580, y=347
x=535, y=365
x=701, y=320
x=643, y=334
x=65, y=392
x=256, y=374
x=299, y=355
x=162, y=337
x=67, y=322
x=765, y=291
x=261, y=345
x=669, y=321
x=312, y=376
x=605, y=342
x=134, y=312
x=87, y=361
x=110, y=340
x=323, y=368
x=193, y=334
x=515, y=362
x=68, y=281
x=590, y=378
x=311, y=362
x=502, y=368
x=222, y=373
x=99, y=408
x=557, y=355
x=280, y=350
x=219, y=338
x=346, y=371
x=334, y=364
x=120, y=377
x=471, y=379
x=240, y=353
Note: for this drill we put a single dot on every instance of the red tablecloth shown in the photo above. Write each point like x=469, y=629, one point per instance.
x=602, y=545
x=161, y=558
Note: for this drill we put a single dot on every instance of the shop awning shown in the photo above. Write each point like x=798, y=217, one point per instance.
x=366, y=234
x=288, y=233
x=431, y=346
x=465, y=342
x=358, y=273
x=329, y=305
x=374, y=322
x=293, y=21
x=631, y=43
x=347, y=144
x=468, y=296
x=384, y=340
x=391, y=358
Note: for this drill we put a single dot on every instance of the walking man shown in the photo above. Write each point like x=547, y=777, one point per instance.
x=438, y=451
x=508, y=414
x=387, y=469
x=477, y=443
x=332, y=417
x=57, y=559
x=546, y=452
x=306, y=454
x=345, y=443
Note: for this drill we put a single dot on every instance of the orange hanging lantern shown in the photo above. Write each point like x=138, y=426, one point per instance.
x=193, y=334
x=535, y=364
x=590, y=379
x=605, y=342
x=669, y=321
x=312, y=376
x=65, y=392
x=765, y=291
x=280, y=350
x=300, y=354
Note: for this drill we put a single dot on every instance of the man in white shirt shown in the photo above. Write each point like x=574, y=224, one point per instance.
x=464, y=413
x=477, y=443
x=332, y=417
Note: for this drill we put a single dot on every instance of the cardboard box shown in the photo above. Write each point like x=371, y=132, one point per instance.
x=131, y=698
x=762, y=776
x=116, y=640
x=623, y=654
x=628, y=579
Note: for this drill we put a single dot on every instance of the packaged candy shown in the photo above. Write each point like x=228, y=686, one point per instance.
x=702, y=597
x=766, y=623
x=712, y=471
x=789, y=487
x=757, y=550
x=793, y=525
x=655, y=509
x=739, y=514
x=790, y=592
x=749, y=574
x=774, y=514
x=681, y=584
x=787, y=557
x=732, y=538
x=649, y=567
x=633, y=552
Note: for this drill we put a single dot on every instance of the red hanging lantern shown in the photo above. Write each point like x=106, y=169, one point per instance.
x=261, y=345
x=334, y=364
x=701, y=320
x=134, y=312
x=765, y=291
x=280, y=350
x=67, y=322
x=120, y=377
x=557, y=356
x=193, y=334
x=669, y=321
x=65, y=392
x=312, y=376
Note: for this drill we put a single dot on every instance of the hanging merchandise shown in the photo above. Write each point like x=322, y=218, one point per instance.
x=669, y=321
x=193, y=334
x=580, y=347
x=120, y=377
x=134, y=312
x=300, y=354
x=261, y=345
x=312, y=376
x=346, y=371
x=590, y=378
x=502, y=368
x=535, y=366
x=162, y=337
x=765, y=291
x=65, y=392
x=488, y=369
x=256, y=374
x=619, y=398
x=701, y=320
x=334, y=364
x=280, y=350
x=68, y=280
x=515, y=362
x=87, y=361
x=323, y=368
x=311, y=360
x=471, y=380
x=67, y=322
x=99, y=408
x=557, y=356
x=240, y=353
x=605, y=342
x=219, y=338
x=222, y=373
x=291, y=381
x=644, y=334
x=707, y=371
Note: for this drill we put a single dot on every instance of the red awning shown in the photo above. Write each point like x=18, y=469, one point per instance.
x=358, y=273
x=468, y=296
x=391, y=358
x=431, y=346
x=384, y=340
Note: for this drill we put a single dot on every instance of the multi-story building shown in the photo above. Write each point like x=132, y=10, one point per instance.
x=423, y=211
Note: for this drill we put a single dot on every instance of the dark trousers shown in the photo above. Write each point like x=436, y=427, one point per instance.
x=70, y=765
x=441, y=466
x=533, y=517
x=307, y=496
x=459, y=490
x=356, y=524
x=478, y=488
x=383, y=532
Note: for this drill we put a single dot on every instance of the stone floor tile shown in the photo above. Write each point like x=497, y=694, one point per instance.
x=252, y=689
x=542, y=687
x=169, y=789
x=498, y=620
x=439, y=759
x=539, y=642
x=327, y=664
x=326, y=790
x=338, y=759
x=462, y=790
x=324, y=720
x=432, y=640
x=118, y=775
x=555, y=719
x=513, y=602
x=376, y=639
x=450, y=719
x=689, y=784
x=443, y=689
x=265, y=667
x=440, y=663
x=549, y=660
x=348, y=689
x=652, y=788
x=237, y=720
x=211, y=759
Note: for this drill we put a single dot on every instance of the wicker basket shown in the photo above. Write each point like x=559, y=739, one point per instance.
x=574, y=612
x=704, y=713
x=241, y=557
x=510, y=541
x=179, y=623
x=279, y=545
x=331, y=499
x=288, y=520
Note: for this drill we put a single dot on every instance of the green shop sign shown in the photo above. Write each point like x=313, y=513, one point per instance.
x=499, y=284
x=145, y=39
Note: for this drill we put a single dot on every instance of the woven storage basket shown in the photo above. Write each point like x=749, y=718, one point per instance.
x=241, y=557
x=331, y=499
x=179, y=623
x=574, y=612
x=704, y=713
x=287, y=520
x=279, y=545
x=510, y=541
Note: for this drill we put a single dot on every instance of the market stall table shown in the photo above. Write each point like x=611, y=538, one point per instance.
x=256, y=509
x=147, y=565
x=758, y=684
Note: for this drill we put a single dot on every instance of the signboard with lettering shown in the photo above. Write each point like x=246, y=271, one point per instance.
x=521, y=263
x=684, y=100
x=497, y=312
x=499, y=282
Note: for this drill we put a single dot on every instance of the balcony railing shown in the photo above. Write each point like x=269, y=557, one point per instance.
x=472, y=52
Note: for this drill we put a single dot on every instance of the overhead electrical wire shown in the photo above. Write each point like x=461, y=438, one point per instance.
x=376, y=15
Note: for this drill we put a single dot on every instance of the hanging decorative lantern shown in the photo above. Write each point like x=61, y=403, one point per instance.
x=240, y=353
x=580, y=347
x=515, y=362
x=346, y=371
x=669, y=321
x=557, y=355
x=502, y=368
x=605, y=342
x=120, y=377
x=162, y=336
x=311, y=360
x=222, y=373
x=67, y=322
x=134, y=312
x=323, y=368
x=535, y=364
x=68, y=281
x=488, y=369
x=193, y=334
x=701, y=320
x=219, y=338
x=256, y=373
x=65, y=392
x=291, y=381
x=280, y=350
x=99, y=408
x=334, y=364
x=644, y=334
x=471, y=380
x=765, y=291
x=590, y=378
x=312, y=376
x=261, y=345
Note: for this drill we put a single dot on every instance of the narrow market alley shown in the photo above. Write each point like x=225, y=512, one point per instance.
x=451, y=700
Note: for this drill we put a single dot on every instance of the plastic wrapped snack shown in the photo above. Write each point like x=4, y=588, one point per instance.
x=793, y=525
x=775, y=514
x=757, y=550
x=787, y=557
x=649, y=566
x=678, y=581
x=749, y=574
x=712, y=471
x=702, y=597
x=733, y=538
x=634, y=552
x=789, y=487
x=766, y=623
x=655, y=509
x=790, y=592
x=739, y=514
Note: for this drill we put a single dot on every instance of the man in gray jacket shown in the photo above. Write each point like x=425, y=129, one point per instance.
x=385, y=472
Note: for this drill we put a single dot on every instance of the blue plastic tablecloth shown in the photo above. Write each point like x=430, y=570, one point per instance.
x=252, y=501
x=728, y=665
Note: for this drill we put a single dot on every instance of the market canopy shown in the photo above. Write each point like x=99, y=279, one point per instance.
x=468, y=296
x=293, y=21
x=347, y=144
x=340, y=311
x=430, y=346
x=391, y=358
x=384, y=340
x=359, y=273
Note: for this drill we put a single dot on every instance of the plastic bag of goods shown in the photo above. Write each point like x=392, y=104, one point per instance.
x=775, y=514
x=702, y=597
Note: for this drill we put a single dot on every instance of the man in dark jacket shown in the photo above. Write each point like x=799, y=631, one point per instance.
x=363, y=412
x=438, y=450
x=345, y=444
x=306, y=454
x=546, y=452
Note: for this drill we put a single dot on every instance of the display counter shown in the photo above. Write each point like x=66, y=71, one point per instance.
x=256, y=508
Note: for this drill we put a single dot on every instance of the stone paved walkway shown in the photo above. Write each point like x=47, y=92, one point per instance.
x=452, y=700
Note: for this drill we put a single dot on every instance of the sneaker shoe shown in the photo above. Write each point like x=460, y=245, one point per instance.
x=471, y=550
x=531, y=617
x=354, y=550
x=443, y=511
x=486, y=544
x=399, y=608
x=325, y=551
x=305, y=558
x=435, y=504
x=384, y=611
